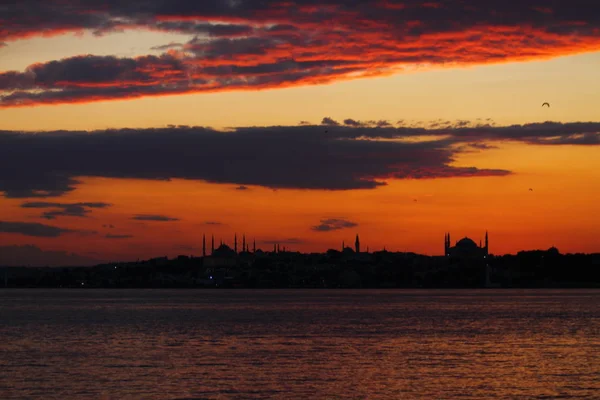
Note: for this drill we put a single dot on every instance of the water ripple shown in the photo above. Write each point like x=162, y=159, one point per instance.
x=301, y=344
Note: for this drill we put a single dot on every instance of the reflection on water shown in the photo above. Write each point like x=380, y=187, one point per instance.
x=300, y=344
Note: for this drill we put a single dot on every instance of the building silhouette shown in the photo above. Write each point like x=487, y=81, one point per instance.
x=464, y=264
x=222, y=256
x=466, y=248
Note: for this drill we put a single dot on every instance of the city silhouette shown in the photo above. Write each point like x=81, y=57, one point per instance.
x=463, y=264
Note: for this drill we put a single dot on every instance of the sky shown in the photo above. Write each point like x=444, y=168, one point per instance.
x=128, y=130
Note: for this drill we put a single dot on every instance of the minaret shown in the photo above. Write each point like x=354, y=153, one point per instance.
x=445, y=244
x=244, y=243
x=357, y=245
x=343, y=246
x=235, y=243
x=254, y=246
x=203, y=245
x=278, y=247
x=274, y=248
x=212, y=244
x=486, y=244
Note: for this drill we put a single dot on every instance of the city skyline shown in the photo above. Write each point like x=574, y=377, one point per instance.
x=128, y=132
x=461, y=246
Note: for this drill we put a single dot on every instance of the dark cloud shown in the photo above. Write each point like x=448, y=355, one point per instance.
x=214, y=223
x=546, y=133
x=33, y=256
x=300, y=157
x=462, y=123
x=355, y=123
x=383, y=123
x=111, y=236
x=227, y=47
x=333, y=224
x=264, y=44
x=94, y=78
x=481, y=146
x=65, y=209
x=100, y=72
x=391, y=16
x=167, y=46
x=351, y=122
x=153, y=217
x=329, y=121
x=32, y=229
x=85, y=78
x=203, y=28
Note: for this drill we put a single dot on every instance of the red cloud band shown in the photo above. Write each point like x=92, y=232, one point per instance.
x=280, y=44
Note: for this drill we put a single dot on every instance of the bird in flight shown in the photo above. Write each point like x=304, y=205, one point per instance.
x=530, y=189
x=546, y=104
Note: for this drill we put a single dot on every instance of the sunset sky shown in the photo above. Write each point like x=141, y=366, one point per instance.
x=130, y=129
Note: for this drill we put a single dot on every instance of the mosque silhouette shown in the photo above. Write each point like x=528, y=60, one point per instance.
x=465, y=248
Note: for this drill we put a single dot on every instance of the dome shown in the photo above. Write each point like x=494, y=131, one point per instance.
x=467, y=244
x=224, y=251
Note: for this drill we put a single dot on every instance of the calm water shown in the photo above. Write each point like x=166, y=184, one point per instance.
x=301, y=344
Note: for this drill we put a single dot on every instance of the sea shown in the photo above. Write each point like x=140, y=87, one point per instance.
x=299, y=344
